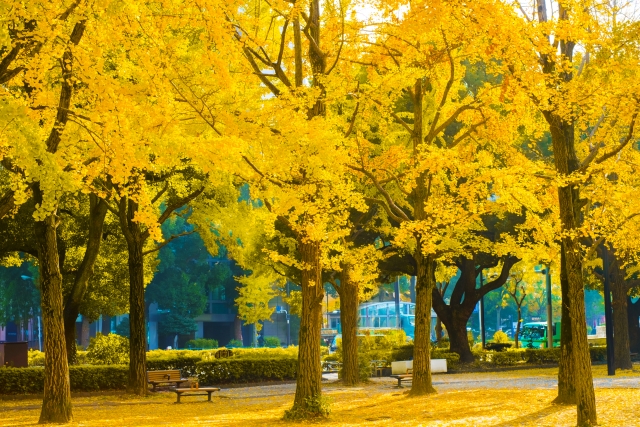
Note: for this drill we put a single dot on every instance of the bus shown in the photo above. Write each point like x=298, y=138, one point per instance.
x=379, y=316
x=534, y=335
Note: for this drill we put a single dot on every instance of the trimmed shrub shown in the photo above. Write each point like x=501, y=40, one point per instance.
x=540, y=356
x=83, y=378
x=500, y=337
x=109, y=349
x=404, y=352
x=239, y=370
x=264, y=353
x=598, y=354
x=35, y=358
x=506, y=358
x=202, y=343
x=271, y=342
x=235, y=344
x=185, y=363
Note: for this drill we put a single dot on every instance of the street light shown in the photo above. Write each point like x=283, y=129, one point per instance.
x=280, y=310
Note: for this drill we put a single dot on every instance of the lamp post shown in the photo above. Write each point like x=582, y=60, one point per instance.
x=280, y=310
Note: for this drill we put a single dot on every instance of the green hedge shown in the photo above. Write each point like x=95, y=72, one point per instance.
x=185, y=363
x=540, y=356
x=232, y=370
x=535, y=356
x=83, y=378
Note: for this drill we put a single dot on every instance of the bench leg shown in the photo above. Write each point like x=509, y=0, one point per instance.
x=178, y=394
x=399, y=383
x=209, y=396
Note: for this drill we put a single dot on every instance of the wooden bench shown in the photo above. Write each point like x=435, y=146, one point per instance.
x=404, y=377
x=165, y=377
x=195, y=392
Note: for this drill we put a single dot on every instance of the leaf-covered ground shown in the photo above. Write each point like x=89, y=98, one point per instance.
x=516, y=398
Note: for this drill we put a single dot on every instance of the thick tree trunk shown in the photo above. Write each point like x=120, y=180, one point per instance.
x=309, y=375
x=133, y=234
x=458, y=340
x=349, y=301
x=619, y=289
x=425, y=284
x=137, y=324
x=566, y=387
x=56, y=405
x=562, y=136
x=97, y=213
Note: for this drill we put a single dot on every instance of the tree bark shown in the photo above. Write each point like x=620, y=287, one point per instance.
x=349, y=301
x=56, y=405
x=237, y=329
x=566, y=387
x=137, y=325
x=309, y=375
x=464, y=299
x=439, y=330
x=458, y=339
x=425, y=284
x=97, y=213
x=562, y=136
x=619, y=290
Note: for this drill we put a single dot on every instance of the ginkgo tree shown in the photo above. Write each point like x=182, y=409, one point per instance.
x=432, y=173
x=564, y=51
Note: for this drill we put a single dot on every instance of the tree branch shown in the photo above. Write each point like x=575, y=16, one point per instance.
x=166, y=242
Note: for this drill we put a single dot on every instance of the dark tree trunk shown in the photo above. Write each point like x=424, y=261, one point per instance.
x=56, y=405
x=566, y=387
x=425, y=285
x=309, y=375
x=619, y=290
x=137, y=325
x=439, y=330
x=562, y=136
x=237, y=328
x=97, y=213
x=464, y=299
x=458, y=339
x=349, y=300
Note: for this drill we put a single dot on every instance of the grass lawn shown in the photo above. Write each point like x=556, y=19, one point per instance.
x=374, y=404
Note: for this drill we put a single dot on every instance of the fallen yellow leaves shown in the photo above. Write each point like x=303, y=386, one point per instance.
x=373, y=404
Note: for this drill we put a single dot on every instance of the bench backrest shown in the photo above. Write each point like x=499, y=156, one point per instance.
x=223, y=353
x=159, y=376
